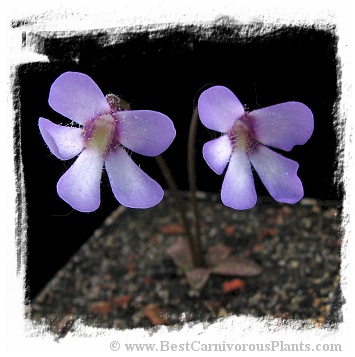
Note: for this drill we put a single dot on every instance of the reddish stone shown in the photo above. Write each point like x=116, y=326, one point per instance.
x=267, y=232
x=101, y=308
x=155, y=314
x=231, y=285
x=122, y=300
x=173, y=228
x=229, y=230
x=258, y=247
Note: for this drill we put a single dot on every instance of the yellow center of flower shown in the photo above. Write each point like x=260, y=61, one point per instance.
x=241, y=136
x=102, y=134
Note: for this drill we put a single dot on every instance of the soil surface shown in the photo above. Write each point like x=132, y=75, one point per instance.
x=123, y=278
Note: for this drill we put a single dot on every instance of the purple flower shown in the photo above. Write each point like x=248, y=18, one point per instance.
x=104, y=133
x=245, y=140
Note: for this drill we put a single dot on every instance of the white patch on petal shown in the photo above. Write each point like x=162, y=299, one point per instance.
x=217, y=153
x=64, y=142
x=238, y=189
x=278, y=174
x=80, y=185
x=131, y=186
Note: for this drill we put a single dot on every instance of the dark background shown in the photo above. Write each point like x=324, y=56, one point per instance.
x=166, y=71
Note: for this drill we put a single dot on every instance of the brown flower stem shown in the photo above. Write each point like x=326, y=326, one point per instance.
x=173, y=188
x=116, y=103
x=192, y=184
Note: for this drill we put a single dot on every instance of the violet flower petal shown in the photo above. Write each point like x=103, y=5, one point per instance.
x=219, y=108
x=145, y=132
x=238, y=189
x=283, y=125
x=278, y=174
x=76, y=96
x=80, y=185
x=130, y=185
x=217, y=153
x=64, y=142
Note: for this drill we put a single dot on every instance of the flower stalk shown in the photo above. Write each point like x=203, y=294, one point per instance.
x=194, y=241
x=193, y=187
x=180, y=207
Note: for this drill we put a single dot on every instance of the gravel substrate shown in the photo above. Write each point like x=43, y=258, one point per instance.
x=122, y=277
